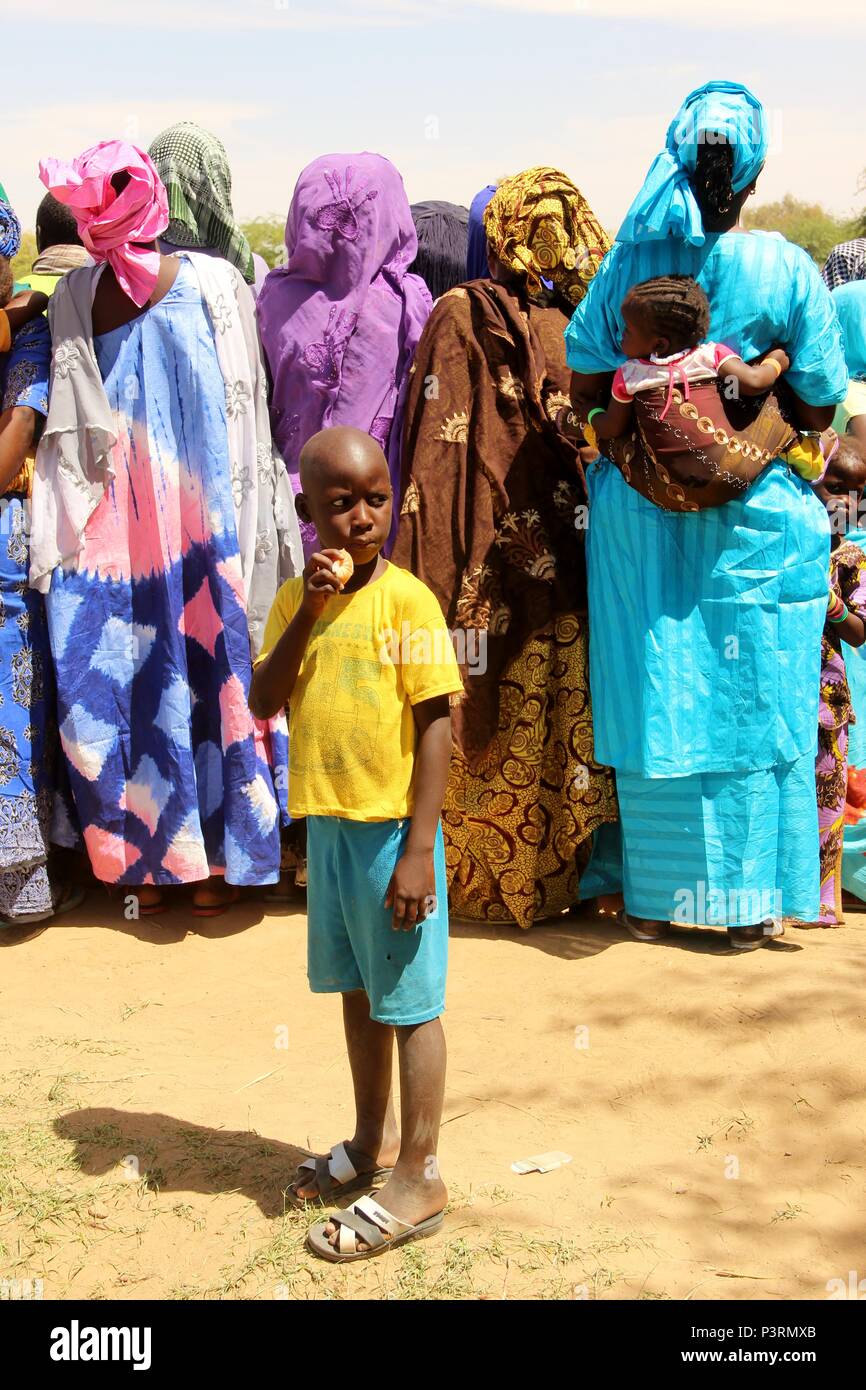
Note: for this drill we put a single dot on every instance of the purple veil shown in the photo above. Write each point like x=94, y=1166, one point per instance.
x=340, y=321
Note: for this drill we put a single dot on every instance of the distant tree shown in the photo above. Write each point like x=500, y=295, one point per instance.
x=807, y=224
x=266, y=236
x=26, y=256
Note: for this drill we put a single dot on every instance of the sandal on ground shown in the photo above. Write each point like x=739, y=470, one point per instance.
x=738, y=942
x=156, y=904
x=220, y=904
x=336, y=1176
x=634, y=930
x=377, y=1228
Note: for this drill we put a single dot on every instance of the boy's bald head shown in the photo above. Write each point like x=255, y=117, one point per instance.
x=346, y=491
x=340, y=452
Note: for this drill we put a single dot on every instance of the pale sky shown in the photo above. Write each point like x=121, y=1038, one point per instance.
x=456, y=92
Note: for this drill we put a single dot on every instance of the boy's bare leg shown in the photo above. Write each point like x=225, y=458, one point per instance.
x=370, y=1045
x=415, y=1191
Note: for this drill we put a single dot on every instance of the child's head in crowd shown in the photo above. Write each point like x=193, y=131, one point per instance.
x=841, y=488
x=346, y=491
x=663, y=316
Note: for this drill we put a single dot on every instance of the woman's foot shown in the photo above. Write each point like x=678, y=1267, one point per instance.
x=410, y=1200
x=643, y=928
x=214, y=897
x=305, y=1188
x=150, y=899
x=750, y=938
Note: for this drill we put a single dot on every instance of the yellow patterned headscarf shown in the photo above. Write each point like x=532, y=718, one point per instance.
x=539, y=224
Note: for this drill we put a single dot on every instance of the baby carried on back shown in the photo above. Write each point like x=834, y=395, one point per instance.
x=689, y=423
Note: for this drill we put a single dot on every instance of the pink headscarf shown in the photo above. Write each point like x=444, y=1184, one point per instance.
x=110, y=222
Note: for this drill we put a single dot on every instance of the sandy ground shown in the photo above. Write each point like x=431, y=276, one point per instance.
x=161, y=1078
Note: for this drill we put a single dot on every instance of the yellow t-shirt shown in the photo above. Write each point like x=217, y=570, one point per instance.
x=372, y=655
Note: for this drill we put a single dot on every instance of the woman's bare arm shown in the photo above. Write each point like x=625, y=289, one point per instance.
x=17, y=432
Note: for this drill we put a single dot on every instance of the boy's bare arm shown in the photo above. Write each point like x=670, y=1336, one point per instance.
x=274, y=678
x=413, y=880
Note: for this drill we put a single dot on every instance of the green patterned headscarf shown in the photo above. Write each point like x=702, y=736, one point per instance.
x=194, y=167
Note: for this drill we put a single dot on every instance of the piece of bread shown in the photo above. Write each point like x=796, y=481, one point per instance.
x=343, y=568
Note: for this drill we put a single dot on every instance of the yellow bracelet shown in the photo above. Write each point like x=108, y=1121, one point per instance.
x=5, y=332
x=774, y=362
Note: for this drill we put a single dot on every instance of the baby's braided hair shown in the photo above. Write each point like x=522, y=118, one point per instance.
x=677, y=307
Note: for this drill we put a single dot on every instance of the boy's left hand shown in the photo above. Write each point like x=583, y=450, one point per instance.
x=412, y=887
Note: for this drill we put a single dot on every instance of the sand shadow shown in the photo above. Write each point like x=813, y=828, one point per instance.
x=171, y=1155
x=585, y=932
x=103, y=911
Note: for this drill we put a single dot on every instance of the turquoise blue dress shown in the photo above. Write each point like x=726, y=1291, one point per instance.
x=705, y=628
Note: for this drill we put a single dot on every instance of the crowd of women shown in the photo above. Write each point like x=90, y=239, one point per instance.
x=150, y=435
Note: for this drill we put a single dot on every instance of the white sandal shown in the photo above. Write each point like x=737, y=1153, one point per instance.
x=336, y=1176
x=377, y=1228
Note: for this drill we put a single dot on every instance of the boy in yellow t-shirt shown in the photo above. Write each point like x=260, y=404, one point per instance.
x=366, y=670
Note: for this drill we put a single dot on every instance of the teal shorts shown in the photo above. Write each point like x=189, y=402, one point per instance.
x=351, y=943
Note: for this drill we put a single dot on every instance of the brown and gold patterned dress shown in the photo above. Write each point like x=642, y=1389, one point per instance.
x=493, y=520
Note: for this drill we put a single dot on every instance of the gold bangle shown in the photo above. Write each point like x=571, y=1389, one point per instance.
x=774, y=362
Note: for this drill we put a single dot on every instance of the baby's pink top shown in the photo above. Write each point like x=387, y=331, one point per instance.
x=646, y=374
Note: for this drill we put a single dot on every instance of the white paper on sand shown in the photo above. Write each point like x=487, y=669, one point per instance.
x=541, y=1163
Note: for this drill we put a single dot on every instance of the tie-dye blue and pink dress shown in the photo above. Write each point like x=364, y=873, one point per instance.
x=172, y=778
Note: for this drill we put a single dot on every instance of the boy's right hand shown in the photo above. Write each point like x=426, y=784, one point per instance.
x=320, y=582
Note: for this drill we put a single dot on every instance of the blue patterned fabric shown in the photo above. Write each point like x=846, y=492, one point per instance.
x=10, y=228
x=26, y=692
x=24, y=368
x=171, y=778
x=705, y=628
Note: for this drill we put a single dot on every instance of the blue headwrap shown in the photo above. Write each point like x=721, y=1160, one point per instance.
x=666, y=205
x=476, y=246
x=850, y=304
x=10, y=228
